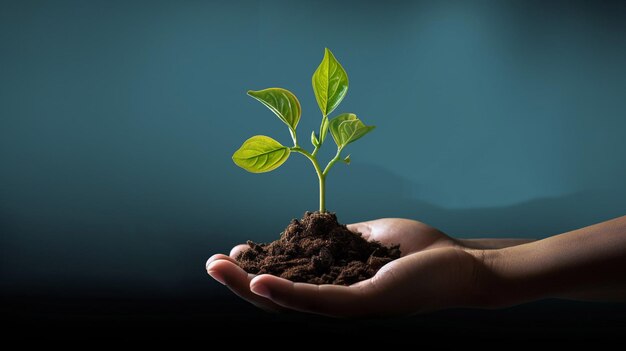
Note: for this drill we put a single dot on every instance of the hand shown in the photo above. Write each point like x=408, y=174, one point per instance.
x=433, y=272
x=436, y=271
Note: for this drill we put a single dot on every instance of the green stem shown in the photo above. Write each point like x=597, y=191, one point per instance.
x=320, y=175
x=315, y=150
x=293, y=137
x=332, y=162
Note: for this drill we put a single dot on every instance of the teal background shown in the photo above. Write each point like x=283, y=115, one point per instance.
x=118, y=120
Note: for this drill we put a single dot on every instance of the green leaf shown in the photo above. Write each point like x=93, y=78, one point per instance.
x=314, y=139
x=261, y=154
x=282, y=102
x=347, y=128
x=330, y=84
x=347, y=160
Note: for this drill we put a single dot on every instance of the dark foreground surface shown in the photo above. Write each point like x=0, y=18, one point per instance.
x=225, y=316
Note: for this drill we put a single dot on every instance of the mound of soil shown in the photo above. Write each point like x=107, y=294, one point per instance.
x=318, y=250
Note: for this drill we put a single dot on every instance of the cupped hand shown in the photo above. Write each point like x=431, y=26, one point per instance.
x=434, y=272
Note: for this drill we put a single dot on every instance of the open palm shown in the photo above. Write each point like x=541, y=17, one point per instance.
x=433, y=272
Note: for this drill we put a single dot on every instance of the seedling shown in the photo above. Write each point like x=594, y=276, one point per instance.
x=261, y=153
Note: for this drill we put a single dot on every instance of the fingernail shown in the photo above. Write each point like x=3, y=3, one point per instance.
x=261, y=290
x=216, y=276
x=209, y=261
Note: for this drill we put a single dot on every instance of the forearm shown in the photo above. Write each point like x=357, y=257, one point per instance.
x=588, y=263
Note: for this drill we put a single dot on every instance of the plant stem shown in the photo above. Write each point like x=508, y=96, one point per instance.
x=315, y=150
x=320, y=175
x=332, y=162
x=322, y=180
x=293, y=137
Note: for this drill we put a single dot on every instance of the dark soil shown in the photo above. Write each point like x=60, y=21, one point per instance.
x=318, y=250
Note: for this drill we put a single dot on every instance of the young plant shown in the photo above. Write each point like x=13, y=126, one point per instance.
x=261, y=153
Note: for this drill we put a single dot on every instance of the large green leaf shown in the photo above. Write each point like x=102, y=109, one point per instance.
x=330, y=84
x=347, y=128
x=282, y=102
x=261, y=154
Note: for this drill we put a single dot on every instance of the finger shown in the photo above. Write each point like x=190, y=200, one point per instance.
x=330, y=300
x=218, y=257
x=238, y=281
x=238, y=249
x=364, y=228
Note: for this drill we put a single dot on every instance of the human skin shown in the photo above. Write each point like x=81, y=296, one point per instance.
x=437, y=272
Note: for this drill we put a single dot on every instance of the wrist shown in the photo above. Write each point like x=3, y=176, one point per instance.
x=509, y=276
x=493, y=287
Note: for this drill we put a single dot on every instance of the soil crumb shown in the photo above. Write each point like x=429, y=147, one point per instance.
x=318, y=250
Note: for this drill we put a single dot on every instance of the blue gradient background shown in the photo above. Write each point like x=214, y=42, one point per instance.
x=118, y=120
